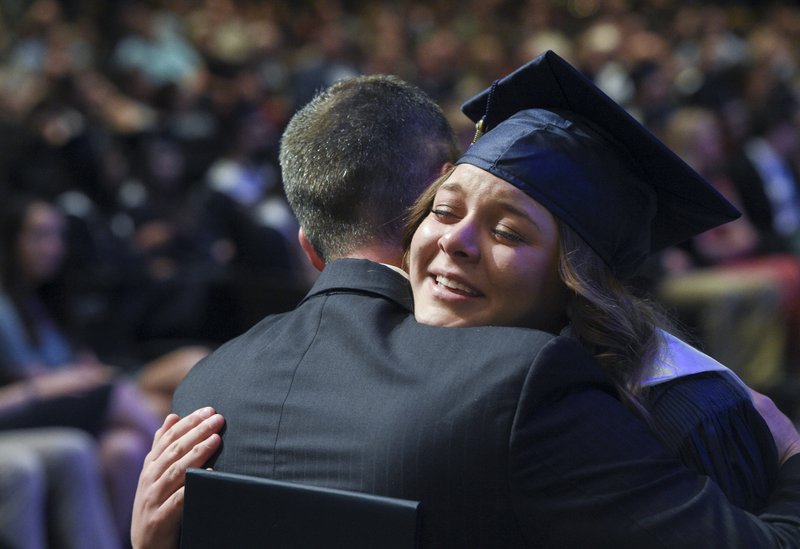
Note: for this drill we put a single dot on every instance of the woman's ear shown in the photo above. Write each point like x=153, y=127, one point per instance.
x=309, y=250
x=447, y=166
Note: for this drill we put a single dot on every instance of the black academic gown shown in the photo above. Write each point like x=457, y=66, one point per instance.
x=711, y=425
x=509, y=437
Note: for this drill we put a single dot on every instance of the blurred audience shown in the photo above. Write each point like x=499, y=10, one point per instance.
x=155, y=124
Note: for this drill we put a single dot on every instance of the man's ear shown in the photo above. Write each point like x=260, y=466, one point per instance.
x=309, y=250
x=446, y=167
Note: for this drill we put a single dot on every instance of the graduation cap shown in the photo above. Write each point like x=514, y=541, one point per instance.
x=549, y=131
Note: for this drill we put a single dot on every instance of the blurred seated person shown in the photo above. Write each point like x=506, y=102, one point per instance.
x=726, y=282
x=765, y=171
x=37, y=348
x=51, y=490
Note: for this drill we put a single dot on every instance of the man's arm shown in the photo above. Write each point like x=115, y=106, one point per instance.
x=584, y=468
x=177, y=445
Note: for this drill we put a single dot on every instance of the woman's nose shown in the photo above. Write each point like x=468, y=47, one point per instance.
x=461, y=240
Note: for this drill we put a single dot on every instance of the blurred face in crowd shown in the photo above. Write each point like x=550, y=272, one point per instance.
x=41, y=246
x=486, y=254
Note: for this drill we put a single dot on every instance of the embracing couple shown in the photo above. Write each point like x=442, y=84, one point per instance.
x=471, y=342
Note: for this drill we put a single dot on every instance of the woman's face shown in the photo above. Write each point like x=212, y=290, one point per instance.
x=486, y=254
x=40, y=245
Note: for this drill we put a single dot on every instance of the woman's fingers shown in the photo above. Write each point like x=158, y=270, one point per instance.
x=174, y=428
x=169, y=422
x=179, y=444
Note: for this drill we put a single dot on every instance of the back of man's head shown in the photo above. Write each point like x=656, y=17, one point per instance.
x=357, y=156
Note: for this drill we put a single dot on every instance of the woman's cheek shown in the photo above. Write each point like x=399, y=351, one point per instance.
x=424, y=239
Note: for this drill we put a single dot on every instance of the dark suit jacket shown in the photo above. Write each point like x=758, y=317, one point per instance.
x=508, y=437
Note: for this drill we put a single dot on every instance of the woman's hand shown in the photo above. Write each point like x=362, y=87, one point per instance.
x=177, y=445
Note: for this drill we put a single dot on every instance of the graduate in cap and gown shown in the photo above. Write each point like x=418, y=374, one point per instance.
x=558, y=201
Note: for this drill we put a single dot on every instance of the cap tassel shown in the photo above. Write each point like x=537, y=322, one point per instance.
x=480, y=127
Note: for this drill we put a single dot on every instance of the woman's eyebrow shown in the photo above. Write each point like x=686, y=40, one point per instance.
x=516, y=210
x=451, y=186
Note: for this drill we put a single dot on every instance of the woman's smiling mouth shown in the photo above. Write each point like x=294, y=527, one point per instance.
x=455, y=286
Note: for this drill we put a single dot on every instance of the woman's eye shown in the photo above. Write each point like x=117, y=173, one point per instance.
x=508, y=235
x=442, y=212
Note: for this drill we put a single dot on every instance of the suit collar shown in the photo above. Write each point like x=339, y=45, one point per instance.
x=365, y=277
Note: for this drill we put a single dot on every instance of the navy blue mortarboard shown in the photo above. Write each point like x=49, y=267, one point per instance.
x=549, y=131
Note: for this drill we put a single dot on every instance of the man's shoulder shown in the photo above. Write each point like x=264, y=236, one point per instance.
x=222, y=365
x=550, y=362
x=480, y=337
x=495, y=344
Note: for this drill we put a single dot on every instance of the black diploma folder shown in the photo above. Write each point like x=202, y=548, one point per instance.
x=224, y=510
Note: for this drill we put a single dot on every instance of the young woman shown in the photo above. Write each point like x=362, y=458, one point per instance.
x=540, y=224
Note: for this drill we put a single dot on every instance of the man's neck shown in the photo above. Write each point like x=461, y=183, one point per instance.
x=379, y=253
